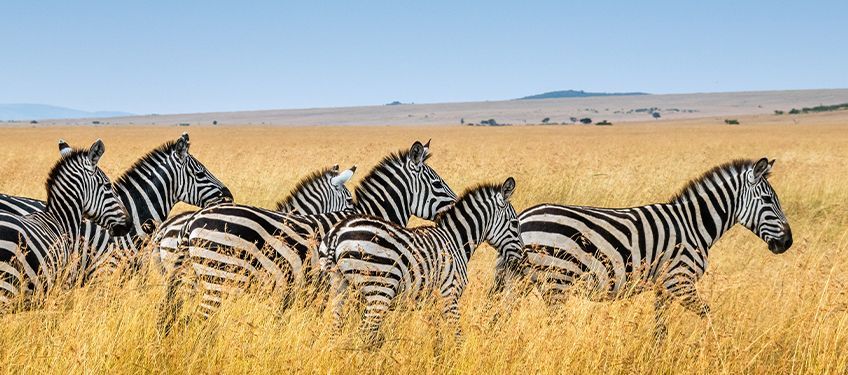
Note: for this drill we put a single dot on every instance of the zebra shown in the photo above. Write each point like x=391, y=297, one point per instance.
x=149, y=189
x=321, y=192
x=20, y=205
x=229, y=245
x=619, y=253
x=381, y=259
x=36, y=249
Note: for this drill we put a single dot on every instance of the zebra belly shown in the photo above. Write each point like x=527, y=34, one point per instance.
x=377, y=261
x=30, y=257
x=557, y=262
x=230, y=258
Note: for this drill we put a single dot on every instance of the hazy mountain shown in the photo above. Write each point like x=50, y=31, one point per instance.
x=578, y=94
x=25, y=111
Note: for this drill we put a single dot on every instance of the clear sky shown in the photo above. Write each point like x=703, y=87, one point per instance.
x=190, y=56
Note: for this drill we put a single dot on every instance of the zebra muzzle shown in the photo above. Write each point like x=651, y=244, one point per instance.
x=780, y=245
x=120, y=229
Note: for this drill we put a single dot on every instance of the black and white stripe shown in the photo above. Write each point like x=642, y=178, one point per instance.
x=20, y=205
x=36, y=250
x=149, y=190
x=663, y=247
x=379, y=259
x=321, y=192
x=230, y=246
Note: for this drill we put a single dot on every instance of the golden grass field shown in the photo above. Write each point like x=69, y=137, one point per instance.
x=771, y=314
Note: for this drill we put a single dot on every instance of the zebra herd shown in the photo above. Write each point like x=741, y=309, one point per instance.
x=322, y=238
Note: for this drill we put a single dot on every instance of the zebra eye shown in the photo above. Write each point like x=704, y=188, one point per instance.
x=438, y=184
x=767, y=199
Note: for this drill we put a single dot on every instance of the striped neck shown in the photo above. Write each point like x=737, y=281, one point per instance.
x=708, y=206
x=385, y=192
x=148, y=190
x=314, y=195
x=467, y=222
x=63, y=205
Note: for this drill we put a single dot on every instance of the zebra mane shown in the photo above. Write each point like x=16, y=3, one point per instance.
x=734, y=167
x=304, y=182
x=395, y=158
x=54, y=172
x=469, y=194
x=164, y=148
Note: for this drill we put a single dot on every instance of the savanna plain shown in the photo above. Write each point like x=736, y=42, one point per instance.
x=771, y=314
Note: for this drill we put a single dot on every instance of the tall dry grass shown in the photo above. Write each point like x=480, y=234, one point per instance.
x=770, y=314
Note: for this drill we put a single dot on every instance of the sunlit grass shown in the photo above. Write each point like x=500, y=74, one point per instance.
x=770, y=314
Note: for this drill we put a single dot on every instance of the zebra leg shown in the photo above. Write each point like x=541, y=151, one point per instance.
x=660, y=314
x=554, y=298
x=451, y=315
x=338, y=296
x=508, y=288
x=376, y=306
x=684, y=291
x=170, y=305
x=507, y=302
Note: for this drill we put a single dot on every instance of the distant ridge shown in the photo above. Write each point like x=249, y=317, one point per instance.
x=28, y=111
x=615, y=109
x=578, y=94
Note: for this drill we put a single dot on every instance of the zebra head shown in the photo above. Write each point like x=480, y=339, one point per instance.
x=430, y=194
x=321, y=192
x=504, y=236
x=86, y=183
x=195, y=185
x=760, y=209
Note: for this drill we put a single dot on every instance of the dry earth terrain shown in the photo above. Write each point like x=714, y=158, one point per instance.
x=614, y=109
x=770, y=314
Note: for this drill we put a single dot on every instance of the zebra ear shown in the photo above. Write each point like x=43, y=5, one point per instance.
x=771, y=165
x=64, y=148
x=96, y=151
x=417, y=153
x=507, y=188
x=761, y=169
x=180, y=148
x=335, y=168
x=185, y=136
x=343, y=177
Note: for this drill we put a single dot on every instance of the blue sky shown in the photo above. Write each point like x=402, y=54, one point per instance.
x=190, y=56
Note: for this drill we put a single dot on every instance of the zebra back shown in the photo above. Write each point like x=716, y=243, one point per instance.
x=321, y=192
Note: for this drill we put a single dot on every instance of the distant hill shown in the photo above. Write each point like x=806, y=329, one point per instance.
x=578, y=94
x=26, y=111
